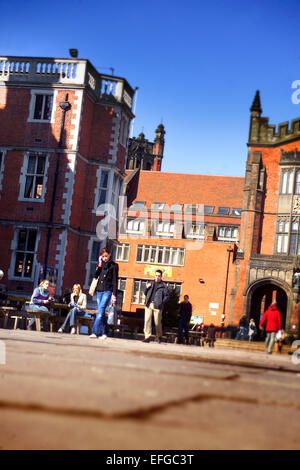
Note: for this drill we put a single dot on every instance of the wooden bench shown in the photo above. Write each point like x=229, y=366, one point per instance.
x=44, y=316
x=86, y=321
x=130, y=324
x=7, y=312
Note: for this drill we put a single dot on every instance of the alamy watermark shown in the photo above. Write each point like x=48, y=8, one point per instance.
x=296, y=354
x=152, y=223
x=296, y=95
x=2, y=353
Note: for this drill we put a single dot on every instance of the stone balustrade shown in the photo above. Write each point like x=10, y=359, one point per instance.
x=76, y=72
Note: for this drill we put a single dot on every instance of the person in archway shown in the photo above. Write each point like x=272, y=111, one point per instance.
x=272, y=320
x=242, y=331
x=252, y=330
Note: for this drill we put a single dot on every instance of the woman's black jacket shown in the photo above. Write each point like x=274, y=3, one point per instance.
x=108, y=277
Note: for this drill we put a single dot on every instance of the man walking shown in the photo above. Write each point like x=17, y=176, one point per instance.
x=272, y=319
x=185, y=313
x=157, y=294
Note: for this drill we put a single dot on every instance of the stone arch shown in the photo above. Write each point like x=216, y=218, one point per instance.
x=261, y=293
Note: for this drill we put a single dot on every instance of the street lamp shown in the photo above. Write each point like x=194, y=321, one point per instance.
x=229, y=250
x=64, y=106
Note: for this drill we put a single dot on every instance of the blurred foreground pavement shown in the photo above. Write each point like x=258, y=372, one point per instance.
x=72, y=392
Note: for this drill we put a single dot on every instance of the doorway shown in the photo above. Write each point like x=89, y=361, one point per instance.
x=261, y=298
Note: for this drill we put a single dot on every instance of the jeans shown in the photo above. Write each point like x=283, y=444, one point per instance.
x=270, y=340
x=71, y=317
x=241, y=333
x=37, y=308
x=183, y=325
x=100, y=324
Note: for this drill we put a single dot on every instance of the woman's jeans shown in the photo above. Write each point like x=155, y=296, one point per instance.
x=100, y=324
x=71, y=317
x=37, y=308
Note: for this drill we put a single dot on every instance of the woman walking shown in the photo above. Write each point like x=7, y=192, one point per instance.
x=107, y=287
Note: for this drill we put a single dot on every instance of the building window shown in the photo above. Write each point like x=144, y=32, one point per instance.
x=124, y=131
x=24, y=255
x=227, y=233
x=287, y=181
x=155, y=254
x=208, y=209
x=295, y=238
x=193, y=230
x=191, y=208
x=103, y=187
x=176, y=207
x=282, y=235
x=236, y=211
x=158, y=206
x=138, y=205
x=122, y=286
x=223, y=210
x=94, y=259
x=138, y=296
x=41, y=107
x=174, y=286
x=123, y=252
x=116, y=188
x=297, y=182
x=165, y=229
x=1, y=167
x=135, y=226
x=34, y=177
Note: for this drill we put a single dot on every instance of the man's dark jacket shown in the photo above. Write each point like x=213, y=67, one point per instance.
x=108, y=277
x=161, y=295
x=185, y=312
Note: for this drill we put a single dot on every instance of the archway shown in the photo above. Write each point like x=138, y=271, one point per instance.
x=260, y=297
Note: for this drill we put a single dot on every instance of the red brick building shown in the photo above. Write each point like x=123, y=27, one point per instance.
x=183, y=224
x=63, y=148
x=245, y=231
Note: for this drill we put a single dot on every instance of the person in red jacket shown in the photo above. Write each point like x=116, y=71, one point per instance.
x=272, y=319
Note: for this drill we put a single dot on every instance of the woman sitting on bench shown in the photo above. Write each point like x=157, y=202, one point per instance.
x=78, y=304
x=40, y=300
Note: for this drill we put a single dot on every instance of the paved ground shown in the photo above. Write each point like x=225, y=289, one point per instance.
x=71, y=392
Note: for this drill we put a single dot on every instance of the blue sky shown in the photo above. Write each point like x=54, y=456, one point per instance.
x=197, y=64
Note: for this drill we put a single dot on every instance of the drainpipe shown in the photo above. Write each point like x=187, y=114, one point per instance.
x=229, y=250
x=65, y=106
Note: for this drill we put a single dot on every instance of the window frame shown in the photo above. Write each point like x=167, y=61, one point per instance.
x=25, y=174
x=32, y=105
x=123, y=247
x=170, y=251
x=15, y=250
x=227, y=227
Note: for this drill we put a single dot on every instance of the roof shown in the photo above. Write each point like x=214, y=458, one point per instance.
x=182, y=188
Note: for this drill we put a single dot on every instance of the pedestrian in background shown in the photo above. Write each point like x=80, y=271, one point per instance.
x=272, y=320
x=185, y=313
x=157, y=294
x=211, y=335
x=252, y=330
x=242, y=331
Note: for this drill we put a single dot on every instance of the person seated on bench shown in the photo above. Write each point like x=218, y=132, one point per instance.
x=78, y=304
x=40, y=300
